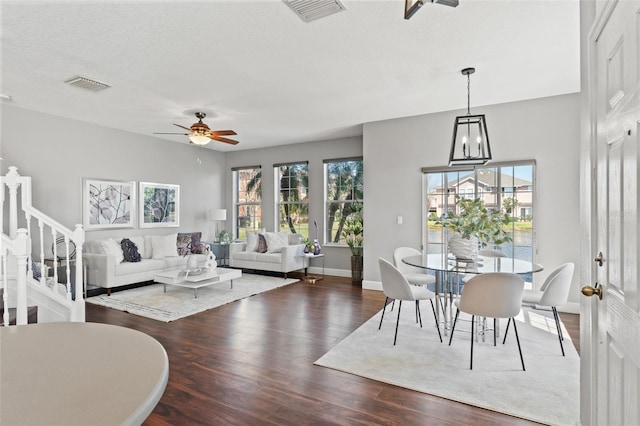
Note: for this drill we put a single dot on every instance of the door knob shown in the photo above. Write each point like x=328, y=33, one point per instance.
x=590, y=291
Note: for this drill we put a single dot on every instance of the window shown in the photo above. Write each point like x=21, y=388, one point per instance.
x=508, y=187
x=293, y=197
x=248, y=200
x=343, y=196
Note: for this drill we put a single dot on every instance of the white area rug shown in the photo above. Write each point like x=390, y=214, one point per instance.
x=548, y=392
x=179, y=302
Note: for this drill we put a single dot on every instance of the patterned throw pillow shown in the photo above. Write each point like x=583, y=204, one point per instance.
x=35, y=269
x=262, y=244
x=276, y=241
x=189, y=243
x=130, y=251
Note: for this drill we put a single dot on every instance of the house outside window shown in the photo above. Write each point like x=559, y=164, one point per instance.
x=343, y=195
x=507, y=187
x=247, y=182
x=293, y=197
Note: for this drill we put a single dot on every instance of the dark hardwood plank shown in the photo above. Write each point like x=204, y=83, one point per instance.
x=251, y=362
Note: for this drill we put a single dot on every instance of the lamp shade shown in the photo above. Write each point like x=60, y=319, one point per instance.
x=199, y=139
x=470, y=144
x=218, y=214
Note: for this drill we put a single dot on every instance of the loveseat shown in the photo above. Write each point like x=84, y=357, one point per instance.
x=108, y=265
x=269, y=251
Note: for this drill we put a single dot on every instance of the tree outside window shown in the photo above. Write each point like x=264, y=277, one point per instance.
x=293, y=198
x=344, y=195
x=248, y=200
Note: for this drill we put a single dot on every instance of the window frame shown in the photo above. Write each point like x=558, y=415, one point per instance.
x=237, y=204
x=302, y=202
x=327, y=240
x=494, y=189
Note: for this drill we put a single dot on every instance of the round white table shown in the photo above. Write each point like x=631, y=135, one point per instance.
x=79, y=374
x=445, y=264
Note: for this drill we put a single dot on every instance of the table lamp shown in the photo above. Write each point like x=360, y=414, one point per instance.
x=217, y=216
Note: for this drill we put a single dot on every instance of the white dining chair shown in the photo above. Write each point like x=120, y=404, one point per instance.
x=553, y=293
x=396, y=287
x=492, y=295
x=414, y=275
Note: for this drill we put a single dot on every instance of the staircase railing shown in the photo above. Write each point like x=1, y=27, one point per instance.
x=55, y=296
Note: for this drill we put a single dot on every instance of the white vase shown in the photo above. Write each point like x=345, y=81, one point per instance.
x=463, y=248
x=192, y=262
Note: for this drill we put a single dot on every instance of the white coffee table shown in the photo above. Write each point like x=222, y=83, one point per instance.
x=180, y=278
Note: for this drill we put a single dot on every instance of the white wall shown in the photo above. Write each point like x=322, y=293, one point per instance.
x=58, y=153
x=546, y=130
x=337, y=259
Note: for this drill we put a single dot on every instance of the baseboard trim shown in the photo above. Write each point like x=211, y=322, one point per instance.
x=371, y=285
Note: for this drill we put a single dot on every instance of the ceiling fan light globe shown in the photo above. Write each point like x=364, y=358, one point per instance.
x=199, y=139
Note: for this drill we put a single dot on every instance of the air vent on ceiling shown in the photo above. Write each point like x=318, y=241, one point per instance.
x=87, y=83
x=310, y=10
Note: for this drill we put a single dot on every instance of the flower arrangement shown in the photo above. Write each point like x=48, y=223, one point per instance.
x=353, y=233
x=475, y=220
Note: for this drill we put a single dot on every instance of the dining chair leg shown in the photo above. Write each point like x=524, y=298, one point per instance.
x=393, y=303
x=494, y=331
x=397, y=322
x=560, y=336
x=506, y=330
x=383, y=308
x=453, y=327
x=515, y=329
x=418, y=313
x=435, y=317
x=473, y=318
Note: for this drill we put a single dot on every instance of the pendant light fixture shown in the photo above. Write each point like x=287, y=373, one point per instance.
x=470, y=144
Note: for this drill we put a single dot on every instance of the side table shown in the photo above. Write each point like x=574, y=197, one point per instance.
x=222, y=253
x=312, y=278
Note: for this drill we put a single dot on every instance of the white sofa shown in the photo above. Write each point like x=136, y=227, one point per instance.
x=106, y=268
x=281, y=252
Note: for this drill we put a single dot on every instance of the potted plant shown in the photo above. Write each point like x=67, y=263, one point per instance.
x=473, y=225
x=353, y=233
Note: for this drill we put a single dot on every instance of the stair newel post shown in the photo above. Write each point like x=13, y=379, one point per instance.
x=78, y=310
x=21, y=244
x=43, y=275
x=11, y=180
x=5, y=295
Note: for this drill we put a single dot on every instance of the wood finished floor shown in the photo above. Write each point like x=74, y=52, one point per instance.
x=251, y=363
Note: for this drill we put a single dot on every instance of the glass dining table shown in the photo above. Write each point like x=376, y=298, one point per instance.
x=448, y=271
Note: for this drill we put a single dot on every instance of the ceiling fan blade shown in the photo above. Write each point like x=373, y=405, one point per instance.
x=223, y=132
x=184, y=134
x=225, y=140
x=186, y=128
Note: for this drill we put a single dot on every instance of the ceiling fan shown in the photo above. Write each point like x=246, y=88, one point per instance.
x=200, y=134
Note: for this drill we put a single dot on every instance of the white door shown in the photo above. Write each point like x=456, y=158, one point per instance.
x=611, y=363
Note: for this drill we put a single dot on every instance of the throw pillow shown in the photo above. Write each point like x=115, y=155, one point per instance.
x=184, y=243
x=262, y=244
x=164, y=246
x=111, y=247
x=276, y=241
x=130, y=251
x=252, y=241
x=189, y=243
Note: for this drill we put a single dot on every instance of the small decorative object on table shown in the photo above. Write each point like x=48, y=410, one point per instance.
x=211, y=263
x=316, y=244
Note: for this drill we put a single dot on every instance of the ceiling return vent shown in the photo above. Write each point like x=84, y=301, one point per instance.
x=310, y=10
x=87, y=83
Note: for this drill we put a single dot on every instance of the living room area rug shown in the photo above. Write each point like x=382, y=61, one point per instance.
x=547, y=392
x=178, y=302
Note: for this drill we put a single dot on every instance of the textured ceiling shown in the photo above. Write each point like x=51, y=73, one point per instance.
x=257, y=68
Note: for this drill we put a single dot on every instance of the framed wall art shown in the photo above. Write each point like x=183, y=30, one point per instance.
x=108, y=204
x=159, y=205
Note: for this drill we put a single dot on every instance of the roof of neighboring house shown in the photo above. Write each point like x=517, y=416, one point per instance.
x=488, y=178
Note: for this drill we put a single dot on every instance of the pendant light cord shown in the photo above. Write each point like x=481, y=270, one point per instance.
x=468, y=94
